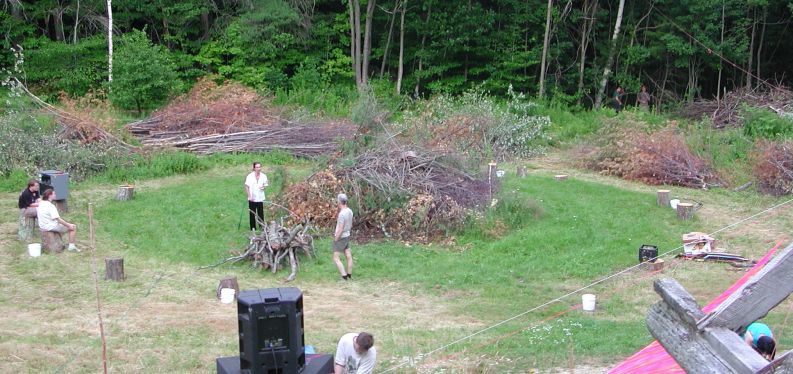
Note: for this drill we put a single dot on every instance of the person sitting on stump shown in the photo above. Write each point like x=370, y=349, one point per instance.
x=29, y=199
x=50, y=220
x=758, y=336
x=355, y=354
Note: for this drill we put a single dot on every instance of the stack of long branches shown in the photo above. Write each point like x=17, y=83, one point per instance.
x=728, y=110
x=233, y=118
x=268, y=248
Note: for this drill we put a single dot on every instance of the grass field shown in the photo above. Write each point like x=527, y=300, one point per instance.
x=416, y=299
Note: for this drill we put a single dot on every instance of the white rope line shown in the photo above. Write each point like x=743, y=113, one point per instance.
x=422, y=356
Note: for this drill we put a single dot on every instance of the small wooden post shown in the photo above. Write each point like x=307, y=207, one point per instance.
x=561, y=177
x=663, y=198
x=685, y=211
x=228, y=282
x=52, y=241
x=521, y=172
x=114, y=268
x=125, y=193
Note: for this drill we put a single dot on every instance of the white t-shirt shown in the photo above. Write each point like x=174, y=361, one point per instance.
x=256, y=186
x=353, y=362
x=344, y=221
x=48, y=216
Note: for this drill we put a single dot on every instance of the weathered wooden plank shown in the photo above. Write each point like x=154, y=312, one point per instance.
x=782, y=365
x=679, y=300
x=733, y=350
x=682, y=340
x=755, y=298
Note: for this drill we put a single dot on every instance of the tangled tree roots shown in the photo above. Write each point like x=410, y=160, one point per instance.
x=271, y=246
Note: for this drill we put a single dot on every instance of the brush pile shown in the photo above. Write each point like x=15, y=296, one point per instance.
x=234, y=118
x=727, y=112
x=395, y=190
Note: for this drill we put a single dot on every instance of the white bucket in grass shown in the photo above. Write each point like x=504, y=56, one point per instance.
x=588, y=302
x=227, y=295
x=673, y=203
x=34, y=249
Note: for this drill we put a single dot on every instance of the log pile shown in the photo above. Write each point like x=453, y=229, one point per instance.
x=275, y=244
x=728, y=111
x=233, y=118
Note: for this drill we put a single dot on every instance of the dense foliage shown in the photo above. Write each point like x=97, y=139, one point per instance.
x=680, y=49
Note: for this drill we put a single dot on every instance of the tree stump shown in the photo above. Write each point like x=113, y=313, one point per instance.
x=685, y=211
x=114, y=268
x=561, y=177
x=663, y=198
x=52, y=241
x=27, y=228
x=521, y=172
x=125, y=193
x=228, y=282
x=656, y=265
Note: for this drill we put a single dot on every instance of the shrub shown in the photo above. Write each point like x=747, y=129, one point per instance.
x=763, y=123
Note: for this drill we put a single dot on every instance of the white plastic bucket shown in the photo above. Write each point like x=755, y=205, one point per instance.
x=227, y=295
x=34, y=249
x=673, y=203
x=588, y=302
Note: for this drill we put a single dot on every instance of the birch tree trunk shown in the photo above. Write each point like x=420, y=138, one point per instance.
x=749, y=64
x=367, y=43
x=109, y=41
x=760, y=46
x=76, y=22
x=610, y=61
x=355, y=39
x=586, y=29
x=721, y=48
x=546, y=40
x=388, y=40
x=400, y=70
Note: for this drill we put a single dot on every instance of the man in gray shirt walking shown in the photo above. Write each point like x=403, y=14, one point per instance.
x=341, y=237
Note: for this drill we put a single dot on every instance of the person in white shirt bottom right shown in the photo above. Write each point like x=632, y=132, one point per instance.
x=355, y=354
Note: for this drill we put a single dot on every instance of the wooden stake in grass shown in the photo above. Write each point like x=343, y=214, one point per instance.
x=125, y=193
x=96, y=285
x=685, y=211
x=521, y=172
x=663, y=198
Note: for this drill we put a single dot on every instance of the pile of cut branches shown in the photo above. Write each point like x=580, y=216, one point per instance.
x=650, y=156
x=275, y=243
x=234, y=118
x=773, y=166
x=728, y=111
x=395, y=190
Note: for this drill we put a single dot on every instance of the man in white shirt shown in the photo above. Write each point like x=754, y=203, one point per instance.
x=255, y=183
x=50, y=220
x=341, y=237
x=355, y=354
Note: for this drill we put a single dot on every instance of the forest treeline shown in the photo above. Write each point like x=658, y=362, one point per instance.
x=568, y=51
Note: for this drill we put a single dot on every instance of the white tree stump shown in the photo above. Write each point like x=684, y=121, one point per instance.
x=114, y=268
x=560, y=177
x=663, y=198
x=685, y=211
x=521, y=172
x=52, y=241
x=125, y=193
x=228, y=282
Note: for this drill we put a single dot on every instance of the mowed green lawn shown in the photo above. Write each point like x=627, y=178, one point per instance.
x=483, y=304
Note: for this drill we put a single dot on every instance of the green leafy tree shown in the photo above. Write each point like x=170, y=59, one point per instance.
x=143, y=75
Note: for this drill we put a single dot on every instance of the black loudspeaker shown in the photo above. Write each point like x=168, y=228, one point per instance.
x=271, y=331
x=647, y=253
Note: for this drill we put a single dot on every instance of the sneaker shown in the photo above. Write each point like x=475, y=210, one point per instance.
x=74, y=248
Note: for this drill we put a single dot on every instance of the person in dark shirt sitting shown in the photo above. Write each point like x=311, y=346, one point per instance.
x=29, y=199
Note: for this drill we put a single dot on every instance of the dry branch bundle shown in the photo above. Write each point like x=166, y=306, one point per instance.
x=728, y=110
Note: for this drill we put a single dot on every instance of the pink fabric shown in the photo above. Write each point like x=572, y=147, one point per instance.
x=655, y=359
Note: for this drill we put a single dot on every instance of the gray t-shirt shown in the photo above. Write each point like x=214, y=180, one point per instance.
x=344, y=221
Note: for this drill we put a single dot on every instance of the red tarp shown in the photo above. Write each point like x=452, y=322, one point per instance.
x=655, y=359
